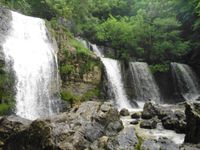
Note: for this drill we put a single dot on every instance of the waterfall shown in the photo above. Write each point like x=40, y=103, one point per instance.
x=113, y=71
x=30, y=49
x=115, y=82
x=186, y=81
x=145, y=86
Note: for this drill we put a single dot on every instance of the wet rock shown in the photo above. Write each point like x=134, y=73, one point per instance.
x=124, y=112
x=164, y=112
x=114, y=127
x=11, y=125
x=192, y=112
x=150, y=110
x=134, y=122
x=126, y=139
x=136, y=115
x=160, y=144
x=37, y=136
x=149, y=124
x=190, y=147
x=175, y=121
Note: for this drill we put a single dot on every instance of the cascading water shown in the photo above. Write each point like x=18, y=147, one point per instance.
x=115, y=82
x=145, y=86
x=186, y=81
x=113, y=72
x=34, y=60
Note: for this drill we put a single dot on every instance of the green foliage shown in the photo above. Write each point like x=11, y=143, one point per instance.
x=159, y=68
x=67, y=69
x=69, y=96
x=72, y=98
x=157, y=31
x=93, y=93
x=4, y=109
x=80, y=48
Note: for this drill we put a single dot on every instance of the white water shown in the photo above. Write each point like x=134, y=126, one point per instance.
x=115, y=81
x=186, y=80
x=35, y=65
x=145, y=86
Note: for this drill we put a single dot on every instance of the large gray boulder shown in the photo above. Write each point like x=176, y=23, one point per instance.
x=175, y=121
x=126, y=139
x=192, y=112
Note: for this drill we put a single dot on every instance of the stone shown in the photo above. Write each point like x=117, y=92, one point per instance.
x=160, y=144
x=148, y=124
x=150, y=110
x=164, y=112
x=37, y=136
x=126, y=139
x=124, y=112
x=192, y=112
x=175, y=121
x=11, y=125
x=187, y=146
x=136, y=115
x=134, y=122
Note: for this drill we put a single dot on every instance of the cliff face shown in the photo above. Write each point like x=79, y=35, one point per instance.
x=6, y=73
x=80, y=76
x=80, y=70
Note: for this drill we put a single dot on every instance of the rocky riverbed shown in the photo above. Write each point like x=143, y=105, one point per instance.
x=95, y=125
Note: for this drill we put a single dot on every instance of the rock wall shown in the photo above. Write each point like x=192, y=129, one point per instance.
x=6, y=74
x=192, y=112
x=166, y=85
x=80, y=70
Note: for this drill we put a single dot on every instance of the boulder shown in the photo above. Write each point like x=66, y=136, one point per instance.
x=192, y=112
x=124, y=112
x=160, y=144
x=150, y=110
x=135, y=122
x=10, y=126
x=136, y=115
x=37, y=136
x=149, y=124
x=126, y=139
x=175, y=121
x=164, y=112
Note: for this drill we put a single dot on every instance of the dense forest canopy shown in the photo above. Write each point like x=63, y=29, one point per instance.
x=156, y=31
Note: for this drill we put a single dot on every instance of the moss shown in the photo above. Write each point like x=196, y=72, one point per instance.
x=69, y=96
x=80, y=48
x=67, y=69
x=90, y=94
x=139, y=144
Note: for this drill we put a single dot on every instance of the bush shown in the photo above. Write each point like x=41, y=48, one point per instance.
x=5, y=109
x=159, y=68
x=69, y=96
